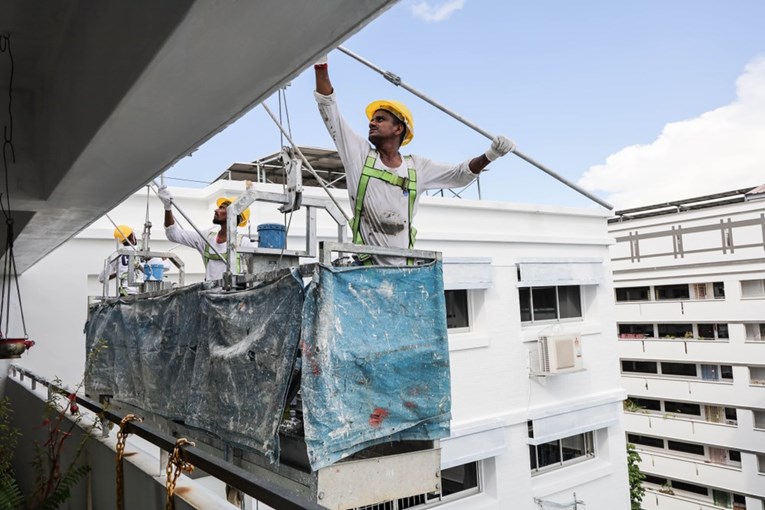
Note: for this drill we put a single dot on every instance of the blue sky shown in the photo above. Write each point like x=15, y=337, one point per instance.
x=638, y=102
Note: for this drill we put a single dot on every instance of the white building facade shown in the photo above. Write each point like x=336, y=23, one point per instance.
x=522, y=437
x=689, y=283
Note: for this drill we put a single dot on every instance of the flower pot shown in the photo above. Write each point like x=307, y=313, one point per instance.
x=14, y=347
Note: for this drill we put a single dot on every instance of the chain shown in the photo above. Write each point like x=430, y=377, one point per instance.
x=175, y=465
x=121, y=438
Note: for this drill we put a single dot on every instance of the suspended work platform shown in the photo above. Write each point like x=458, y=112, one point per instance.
x=218, y=365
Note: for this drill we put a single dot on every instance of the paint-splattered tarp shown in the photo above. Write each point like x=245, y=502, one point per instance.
x=217, y=361
x=375, y=359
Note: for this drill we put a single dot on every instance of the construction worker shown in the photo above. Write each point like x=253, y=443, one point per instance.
x=385, y=187
x=118, y=268
x=215, y=265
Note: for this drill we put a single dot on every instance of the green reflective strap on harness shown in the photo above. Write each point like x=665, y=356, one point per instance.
x=207, y=256
x=408, y=184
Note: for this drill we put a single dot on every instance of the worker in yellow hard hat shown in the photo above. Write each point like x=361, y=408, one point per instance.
x=119, y=267
x=215, y=265
x=385, y=186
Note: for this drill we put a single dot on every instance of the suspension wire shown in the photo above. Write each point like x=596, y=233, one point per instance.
x=10, y=273
x=148, y=196
x=305, y=160
x=5, y=47
x=286, y=220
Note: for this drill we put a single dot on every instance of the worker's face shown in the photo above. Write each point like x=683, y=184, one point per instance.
x=383, y=126
x=130, y=240
x=220, y=214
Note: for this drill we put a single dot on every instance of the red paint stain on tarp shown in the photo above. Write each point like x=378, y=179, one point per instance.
x=410, y=405
x=377, y=416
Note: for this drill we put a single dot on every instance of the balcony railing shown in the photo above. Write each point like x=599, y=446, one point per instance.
x=257, y=487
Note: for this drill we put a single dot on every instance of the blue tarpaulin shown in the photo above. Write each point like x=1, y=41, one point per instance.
x=375, y=359
x=218, y=361
x=374, y=346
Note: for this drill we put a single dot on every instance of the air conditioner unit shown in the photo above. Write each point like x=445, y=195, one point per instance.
x=559, y=354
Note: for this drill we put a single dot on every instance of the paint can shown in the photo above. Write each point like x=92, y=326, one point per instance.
x=272, y=235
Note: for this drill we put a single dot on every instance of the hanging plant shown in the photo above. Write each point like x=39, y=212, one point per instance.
x=9, y=347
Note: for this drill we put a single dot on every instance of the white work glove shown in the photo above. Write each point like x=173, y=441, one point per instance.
x=166, y=197
x=321, y=62
x=499, y=147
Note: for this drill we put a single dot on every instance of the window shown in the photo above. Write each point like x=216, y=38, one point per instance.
x=721, y=498
x=456, y=482
x=675, y=330
x=757, y=375
x=734, y=456
x=731, y=416
x=642, y=367
x=759, y=419
x=726, y=372
x=718, y=288
x=672, y=292
x=654, y=442
x=714, y=414
x=459, y=478
x=457, y=315
x=647, y=403
x=656, y=480
x=690, y=487
x=699, y=291
x=713, y=331
x=752, y=288
x=710, y=372
x=755, y=331
x=559, y=452
x=633, y=294
x=681, y=369
x=682, y=408
x=680, y=446
x=550, y=303
x=635, y=330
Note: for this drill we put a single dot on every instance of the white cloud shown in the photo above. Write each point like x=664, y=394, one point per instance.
x=437, y=12
x=720, y=150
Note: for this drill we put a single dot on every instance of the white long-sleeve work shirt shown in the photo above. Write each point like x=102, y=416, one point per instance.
x=385, y=214
x=215, y=268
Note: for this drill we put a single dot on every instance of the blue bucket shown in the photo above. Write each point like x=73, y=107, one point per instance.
x=153, y=272
x=272, y=235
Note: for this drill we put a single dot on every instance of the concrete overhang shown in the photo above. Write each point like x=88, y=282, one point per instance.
x=107, y=95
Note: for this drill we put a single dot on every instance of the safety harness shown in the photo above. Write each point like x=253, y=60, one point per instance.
x=207, y=256
x=408, y=184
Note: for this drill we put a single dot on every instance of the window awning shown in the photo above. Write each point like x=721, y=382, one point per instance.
x=571, y=423
x=473, y=446
x=534, y=273
x=467, y=273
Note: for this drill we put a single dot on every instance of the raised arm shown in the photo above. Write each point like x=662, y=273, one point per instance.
x=323, y=85
x=499, y=147
x=167, y=202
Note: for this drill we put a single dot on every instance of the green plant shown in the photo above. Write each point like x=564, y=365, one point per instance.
x=11, y=497
x=636, y=477
x=666, y=488
x=54, y=479
x=688, y=334
x=631, y=406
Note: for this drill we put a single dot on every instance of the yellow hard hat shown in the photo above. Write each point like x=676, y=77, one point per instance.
x=122, y=232
x=401, y=112
x=245, y=214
